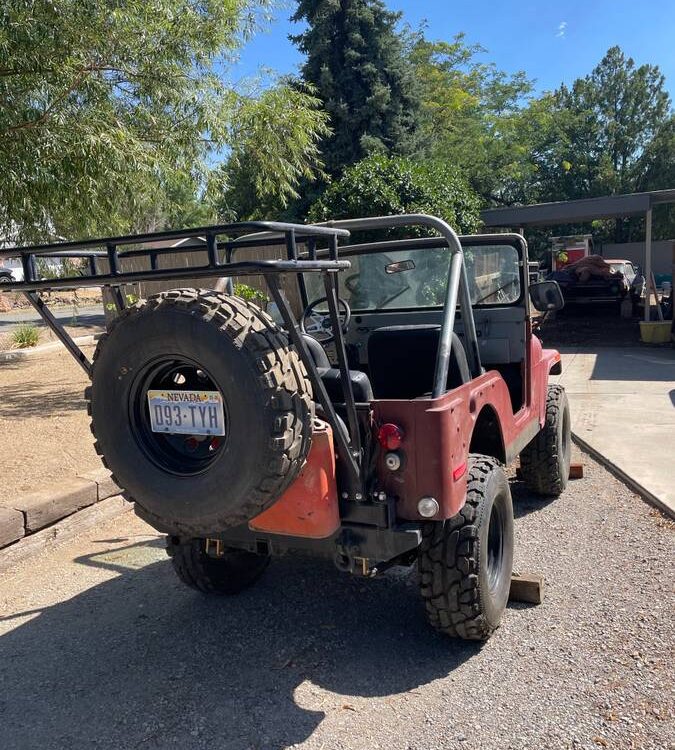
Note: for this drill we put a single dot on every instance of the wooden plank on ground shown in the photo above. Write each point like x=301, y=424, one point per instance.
x=527, y=587
x=576, y=471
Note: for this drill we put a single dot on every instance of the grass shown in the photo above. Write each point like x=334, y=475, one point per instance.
x=25, y=336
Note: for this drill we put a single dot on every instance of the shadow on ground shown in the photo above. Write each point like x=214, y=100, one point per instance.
x=637, y=364
x=22, y=400
x=589, y=326
x=525, y=501
x=142, y=661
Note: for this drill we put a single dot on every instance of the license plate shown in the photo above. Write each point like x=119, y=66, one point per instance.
x=186, y=412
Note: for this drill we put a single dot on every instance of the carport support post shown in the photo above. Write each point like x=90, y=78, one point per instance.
x=648, y=264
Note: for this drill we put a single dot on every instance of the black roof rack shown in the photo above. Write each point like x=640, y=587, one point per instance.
x=217, y=241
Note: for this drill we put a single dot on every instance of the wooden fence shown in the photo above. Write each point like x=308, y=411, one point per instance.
x=178, y=259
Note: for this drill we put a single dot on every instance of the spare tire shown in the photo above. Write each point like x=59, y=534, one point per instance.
x=203, y=342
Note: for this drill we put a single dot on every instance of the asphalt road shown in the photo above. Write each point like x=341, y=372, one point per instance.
x=101, y=647
x=91, y=315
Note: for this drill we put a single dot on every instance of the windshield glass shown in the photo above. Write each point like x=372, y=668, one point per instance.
x=621, y=267
x=399, y=279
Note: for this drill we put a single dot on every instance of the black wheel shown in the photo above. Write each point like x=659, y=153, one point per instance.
x=545, y=461
x=229, y=573
x=466, y=562
x=200, y=342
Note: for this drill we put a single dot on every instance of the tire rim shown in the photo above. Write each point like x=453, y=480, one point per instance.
x=180, y=454
x=495, y=548
x=566, y=436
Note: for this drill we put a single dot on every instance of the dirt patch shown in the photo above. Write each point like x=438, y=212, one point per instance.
x=44, y=427
x=589, y=327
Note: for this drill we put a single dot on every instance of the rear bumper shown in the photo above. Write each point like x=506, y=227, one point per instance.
x=354, y=548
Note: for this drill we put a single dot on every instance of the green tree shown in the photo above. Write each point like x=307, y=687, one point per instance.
x=657, y=172
x=606, y=134
x=471, y=116
x=275, y=146
x=357, y=64
x=381, y=185
x=111, y=111
x=385, y=185
x=605, y=122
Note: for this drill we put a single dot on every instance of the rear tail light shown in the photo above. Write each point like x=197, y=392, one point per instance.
x=390, y=437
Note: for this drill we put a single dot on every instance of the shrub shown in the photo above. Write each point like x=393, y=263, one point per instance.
x=381, y=185
x=25, y=336
x=251, y=295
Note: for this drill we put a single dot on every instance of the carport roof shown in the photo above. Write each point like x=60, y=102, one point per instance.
x=570, y=212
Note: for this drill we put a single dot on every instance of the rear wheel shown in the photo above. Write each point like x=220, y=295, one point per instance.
x=229, y=573
x=545, y=461
x=466, y=561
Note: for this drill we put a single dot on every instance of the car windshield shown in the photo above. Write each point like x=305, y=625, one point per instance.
x=401, y=279
x=621, y=267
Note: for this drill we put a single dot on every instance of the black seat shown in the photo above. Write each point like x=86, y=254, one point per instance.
x=330, y=376
x=316, y=350
x=402, y=360
x=363, y=391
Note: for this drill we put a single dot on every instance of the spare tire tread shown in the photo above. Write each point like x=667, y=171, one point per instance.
x=282, y=372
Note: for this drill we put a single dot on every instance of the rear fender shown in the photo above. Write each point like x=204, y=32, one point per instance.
x=437, y=440
x=309, y=507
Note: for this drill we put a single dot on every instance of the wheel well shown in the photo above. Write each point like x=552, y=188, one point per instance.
x=487, y=435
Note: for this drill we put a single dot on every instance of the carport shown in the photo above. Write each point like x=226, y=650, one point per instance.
x=586, y=209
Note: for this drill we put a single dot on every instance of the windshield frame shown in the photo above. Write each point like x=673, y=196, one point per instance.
x=516, y=241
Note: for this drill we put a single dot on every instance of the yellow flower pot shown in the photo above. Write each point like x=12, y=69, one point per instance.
x=655, y=331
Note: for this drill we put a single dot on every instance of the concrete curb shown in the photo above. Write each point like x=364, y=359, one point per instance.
x=621, y=475
x=63, y=531
x=18, y=354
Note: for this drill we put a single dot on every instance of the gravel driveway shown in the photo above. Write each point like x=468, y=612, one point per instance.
x=102, y=648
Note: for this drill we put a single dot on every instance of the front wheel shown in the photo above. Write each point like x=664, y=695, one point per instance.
x=466, y=561
x=231, y=572
x=545, y=461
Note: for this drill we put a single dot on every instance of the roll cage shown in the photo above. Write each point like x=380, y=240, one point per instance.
x=104, y=259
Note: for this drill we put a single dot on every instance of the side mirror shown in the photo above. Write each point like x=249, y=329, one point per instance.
x=546, y=296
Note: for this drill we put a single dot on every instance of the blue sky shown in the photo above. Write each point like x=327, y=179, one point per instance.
x=553, y=42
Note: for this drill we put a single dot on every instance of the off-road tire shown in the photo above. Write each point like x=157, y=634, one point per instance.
x=231, y=573
x=264, y=385
x=545, y=461
x=464, y=577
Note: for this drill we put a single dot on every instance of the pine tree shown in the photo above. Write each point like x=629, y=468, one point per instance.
x=357, y=62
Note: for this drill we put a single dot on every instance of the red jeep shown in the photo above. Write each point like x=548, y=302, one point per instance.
x=374, y=432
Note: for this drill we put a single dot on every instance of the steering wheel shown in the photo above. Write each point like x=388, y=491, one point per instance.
x=318, y=324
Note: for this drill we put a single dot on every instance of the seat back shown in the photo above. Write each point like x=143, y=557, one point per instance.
x=402, y=361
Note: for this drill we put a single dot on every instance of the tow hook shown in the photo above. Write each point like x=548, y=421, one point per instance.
x=348, y=561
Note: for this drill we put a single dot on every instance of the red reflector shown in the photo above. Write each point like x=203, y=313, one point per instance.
x=390, y=437
x=459, y=472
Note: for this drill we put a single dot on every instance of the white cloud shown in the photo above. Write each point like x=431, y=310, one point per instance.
x=562, y=29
